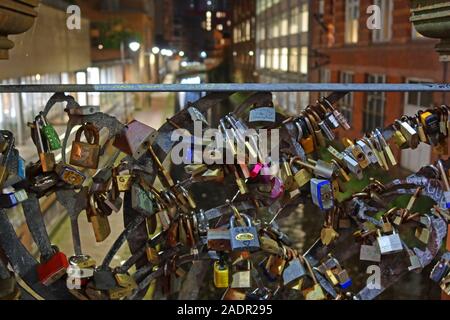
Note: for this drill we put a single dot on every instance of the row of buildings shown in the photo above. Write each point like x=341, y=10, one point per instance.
x=329, y=41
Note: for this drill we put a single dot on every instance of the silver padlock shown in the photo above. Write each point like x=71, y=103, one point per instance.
x=293, y=271
x=326, y=130
x=353, y=166
x=83, y=110
x=369, y=253
x=389, y=244
x=367, y=151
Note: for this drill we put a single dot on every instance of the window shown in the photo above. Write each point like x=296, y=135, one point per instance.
x=304, y=18
x=419, y=99
x=293, y=60
x=269, y=58
x=373, y=114
x=346, y=105
x=276, y=59
x=294, y=23
x=304, y=60
x=284, y=25
x=321, y=7
x=385, y=33
x=262, y=59
x=247, y=31
x=284, y=59
x=275, y=28
x=351, y=21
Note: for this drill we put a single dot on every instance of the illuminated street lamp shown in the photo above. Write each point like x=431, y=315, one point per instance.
x=181, y=53
x=203, y=55
x=134, y=46
x=155, y=50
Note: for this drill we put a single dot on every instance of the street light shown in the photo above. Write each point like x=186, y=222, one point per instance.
x=155, y=50
x=181, y=53
x=203, y=54
x=134, y=46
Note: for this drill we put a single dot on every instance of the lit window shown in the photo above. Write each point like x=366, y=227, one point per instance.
x=284, y=59
x=275, y=28
x=385, y=33
x=304, y=60
x=284, y=25
x=262, y=59
x=269, y=59
x=247, y=30
x=294, y=20
x=304, y=18
x=276, y=59
x=293, y=60
x=351, y=21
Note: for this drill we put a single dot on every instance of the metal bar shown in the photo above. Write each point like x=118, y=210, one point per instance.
x=230, y=87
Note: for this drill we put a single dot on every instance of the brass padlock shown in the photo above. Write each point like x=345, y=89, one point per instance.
x=84, y=154
x=100, y=223
x=123, y=182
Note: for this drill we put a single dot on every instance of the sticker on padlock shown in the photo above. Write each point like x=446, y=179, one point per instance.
x=84, y=154
x=322, y=193
x=243, y=237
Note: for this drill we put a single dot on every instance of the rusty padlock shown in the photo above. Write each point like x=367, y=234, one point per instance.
x=85, y=154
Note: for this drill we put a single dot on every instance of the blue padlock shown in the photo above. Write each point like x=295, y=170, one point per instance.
x=243, y=238
x=322, y=193
x=21, y=168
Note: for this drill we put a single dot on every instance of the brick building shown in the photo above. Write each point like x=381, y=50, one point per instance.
x=244, y=41
x=344, y=49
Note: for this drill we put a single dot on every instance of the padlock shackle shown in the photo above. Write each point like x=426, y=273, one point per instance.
x=88, y=127
x=246, y=218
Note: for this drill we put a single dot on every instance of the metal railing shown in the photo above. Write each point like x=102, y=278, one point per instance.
x=231, y=87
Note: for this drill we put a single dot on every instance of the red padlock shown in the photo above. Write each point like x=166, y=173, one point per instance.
x=52, y=269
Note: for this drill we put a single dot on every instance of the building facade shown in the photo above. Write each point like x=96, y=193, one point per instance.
x=345, y=49
x=282, y=41
x=244, y=41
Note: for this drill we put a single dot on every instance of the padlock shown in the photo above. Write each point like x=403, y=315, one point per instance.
x=441, y=268
x=344, y=279
x=330, y=119
x=287, y=176
x=385, y=146
x=221, y=274
x=424, y=233
x=320, y=139
x=414, y=262
x=370, y=253
x=430, y=122
x=133, y=138
x=21, y=195
x=353, y=166
x=243, y=237
x=314, y=293
x=367, y=151
x=54, y=143
x=52, y=268
x=142, y=201
x=8, y=200
x=322, y=193
x=308, y=144
x=386, y=225
x=100, y=223
x=104, y=279
x=389, y=244
x=337, y=114
x=262, y=115
x=125, y=285
x=293, y=271
x=356, y=153
x=445, y=285
x=241, y=133
x=277, y=188
x=328, y=235
x=400, y=139
x=411, y=135
x=101, y=181
x=320, y=168
x=84, y=154
x=70, y=175
x=6, y=154
x=47, y=158
x=123, y=182
x=242, y=278
x=219, y=239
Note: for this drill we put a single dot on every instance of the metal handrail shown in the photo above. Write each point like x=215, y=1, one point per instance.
x=229, y=87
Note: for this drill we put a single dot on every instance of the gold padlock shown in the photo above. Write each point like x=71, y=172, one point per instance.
x=123, y=182
x=221, y=275
x=84, y=154
x=100, y=223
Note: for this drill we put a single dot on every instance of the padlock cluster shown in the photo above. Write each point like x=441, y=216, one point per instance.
x=127, y=169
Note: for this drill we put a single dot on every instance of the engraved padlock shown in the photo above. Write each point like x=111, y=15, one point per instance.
x=84, y=154
x=243, y=237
